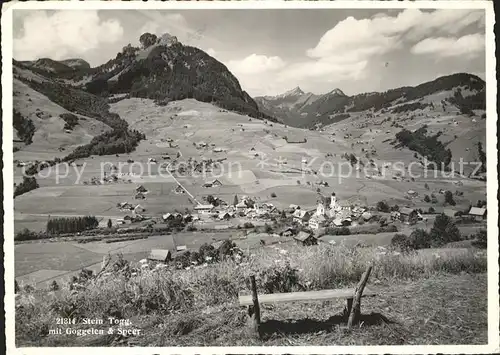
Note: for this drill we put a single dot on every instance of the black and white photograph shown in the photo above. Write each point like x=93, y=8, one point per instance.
x=290, y=174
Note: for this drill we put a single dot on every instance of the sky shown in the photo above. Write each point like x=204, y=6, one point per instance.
x=272, y=51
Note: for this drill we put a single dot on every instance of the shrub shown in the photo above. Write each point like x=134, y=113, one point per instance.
x=226, y=249
x=387, y=229
x=268, y=228
x=401, y=242
x=444, y=231
x=54, y=286
x=338, y=231
x=481, y=239
x=431, y=210
x=279, y=278
x=26, y=234
x=382, y=206
x=29, y=183
x=427, y=198
x=248, y=225
x=420, y=239
x=24, y=127
x=70, y=119
x=273, y=195
x=448, y=198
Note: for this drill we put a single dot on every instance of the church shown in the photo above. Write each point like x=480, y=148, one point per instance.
x=333, y=210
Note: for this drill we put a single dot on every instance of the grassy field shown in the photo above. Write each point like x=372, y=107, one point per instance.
x=422, y=298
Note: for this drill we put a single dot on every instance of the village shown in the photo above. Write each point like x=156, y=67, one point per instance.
x=264, y=221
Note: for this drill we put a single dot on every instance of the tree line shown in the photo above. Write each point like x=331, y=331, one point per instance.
x=71, y=224
x=428, y=146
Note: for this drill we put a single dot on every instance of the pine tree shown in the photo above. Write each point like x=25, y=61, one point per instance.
x=235, y=201
x=110, y=224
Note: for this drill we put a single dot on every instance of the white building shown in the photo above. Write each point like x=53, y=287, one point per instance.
x=204, y=209
x=317, y=221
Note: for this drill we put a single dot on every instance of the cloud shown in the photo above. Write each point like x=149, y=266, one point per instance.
x=64, y=34
x=256, y=63
x=252, y=70
x=353, y=40
x=444, y=47
x=174, y=24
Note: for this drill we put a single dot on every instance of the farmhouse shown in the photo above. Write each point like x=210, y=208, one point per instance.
x=305, y=239
x=366, y=216
x=406, y=214
x=204, y=209
x=295, y=139
x=140, y=196
x=138, y=209
x=226, y=215
x=241, y=206
x=288, y=232
x=301, y=216
x=161, y=255
x=152, y=160
x=141, y=189
x=216, y=182
x=412, y=193
x=181, y=248
x=477, y=213
x=179, y=190
x=168, y=217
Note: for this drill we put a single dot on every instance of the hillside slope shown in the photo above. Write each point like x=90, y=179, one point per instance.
x=50, y=135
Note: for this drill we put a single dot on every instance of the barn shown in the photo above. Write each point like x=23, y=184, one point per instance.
x=161, y=255
x=305, y=239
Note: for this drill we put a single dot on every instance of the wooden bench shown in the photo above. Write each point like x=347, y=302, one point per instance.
x=352, y=295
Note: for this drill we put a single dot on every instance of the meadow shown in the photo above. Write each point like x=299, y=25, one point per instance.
x=424, y=297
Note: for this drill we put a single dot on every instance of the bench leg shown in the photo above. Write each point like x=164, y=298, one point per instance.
x=347, y=310
x=254, y=319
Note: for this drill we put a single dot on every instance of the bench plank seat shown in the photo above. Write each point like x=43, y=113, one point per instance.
x=246, y=300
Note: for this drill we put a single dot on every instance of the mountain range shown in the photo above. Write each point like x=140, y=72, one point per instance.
x=304, y=109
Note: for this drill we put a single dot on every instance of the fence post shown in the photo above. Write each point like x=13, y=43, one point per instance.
x=356, y=307
x=255, y=300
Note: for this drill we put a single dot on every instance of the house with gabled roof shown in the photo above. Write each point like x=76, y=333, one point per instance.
x=162, y=255
x=477, y=213
x=301, y=216
x=306, y=239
